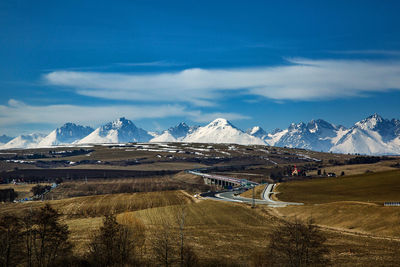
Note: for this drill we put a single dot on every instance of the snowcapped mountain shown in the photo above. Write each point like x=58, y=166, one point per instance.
x=316, y=135
x=257, y=131
x=5, y=139
x=373, y=135
x=66, y=134
x=175, y=134
x=221, y=131
x=118, y=131
x=24, y=141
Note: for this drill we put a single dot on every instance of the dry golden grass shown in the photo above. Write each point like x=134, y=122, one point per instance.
x=220, y=233
x=351, y=216
x=179, y=181
x=99, y=205
x=230, y=234
x=374, y=187
x=257, y=192
x=352, y=203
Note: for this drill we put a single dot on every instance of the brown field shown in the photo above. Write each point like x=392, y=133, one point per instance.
x=351, y=216
x=359, y=168
x=349, y=204
x=93, y=206
x=221, y=233
x=181, y=180
x=371, y=187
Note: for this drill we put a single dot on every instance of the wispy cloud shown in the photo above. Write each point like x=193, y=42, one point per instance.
x=19, y=113
x=303, y=79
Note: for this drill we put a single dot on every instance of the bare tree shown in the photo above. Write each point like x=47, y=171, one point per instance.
x=10, y=240
x=181, y=223
x=45, y=238
x=296, y=243
x=115, y=244
x=163, y=245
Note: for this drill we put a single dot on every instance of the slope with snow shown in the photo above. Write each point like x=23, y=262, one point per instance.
x=66, y=134
x=174, y=134
x=221, y=131
x=24, y=141
x=373, y=135
x=257, y=131
x=316, y=135
x=118, y=131
x=5, y=139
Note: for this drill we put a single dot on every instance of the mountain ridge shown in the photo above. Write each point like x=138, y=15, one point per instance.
x=373, y=135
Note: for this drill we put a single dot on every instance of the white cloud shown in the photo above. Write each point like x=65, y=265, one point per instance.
x=303, y=79
x=17, y=113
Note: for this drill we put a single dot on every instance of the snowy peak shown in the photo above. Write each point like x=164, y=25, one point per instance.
x=24, y=141
x=66, y=134
x=220, y=122
x=221, y=131
x=372, y=122
x=373, y=135
x=5, y=139
x=257, y=131
x=174, y=134
x=317, y=125
x=119, y=124
x=315, y=135
x=118, y=131
x=180, y=130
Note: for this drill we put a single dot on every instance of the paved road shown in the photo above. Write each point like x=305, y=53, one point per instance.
x=233, y=196
x=230, y=196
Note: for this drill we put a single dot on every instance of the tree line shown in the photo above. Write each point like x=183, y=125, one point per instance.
x=41, y=239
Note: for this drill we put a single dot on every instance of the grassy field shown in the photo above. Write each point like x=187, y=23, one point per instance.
x=354, y=169
x=99, y=205
x=179, y=181
x=371, y=187
x=351, y=203
x=221, y=233
x=351, y=216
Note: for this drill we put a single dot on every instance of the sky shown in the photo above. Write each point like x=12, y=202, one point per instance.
x=266, y=63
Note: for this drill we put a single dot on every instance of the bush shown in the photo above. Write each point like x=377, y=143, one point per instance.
x=296, y=243
x=114, y=244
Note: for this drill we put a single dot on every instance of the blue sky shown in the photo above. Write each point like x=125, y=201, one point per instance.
x=266, y=63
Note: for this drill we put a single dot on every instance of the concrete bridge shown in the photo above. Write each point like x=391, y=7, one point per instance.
x=223, y=181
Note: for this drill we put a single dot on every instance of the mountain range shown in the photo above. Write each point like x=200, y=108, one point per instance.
x=373, y=135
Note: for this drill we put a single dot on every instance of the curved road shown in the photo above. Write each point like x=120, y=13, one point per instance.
x=230, y=196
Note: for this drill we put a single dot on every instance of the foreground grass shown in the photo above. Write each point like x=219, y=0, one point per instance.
x=350, y=204
x=221, y=233
x=99, y=205
x=372, y=187
x=351, y=217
